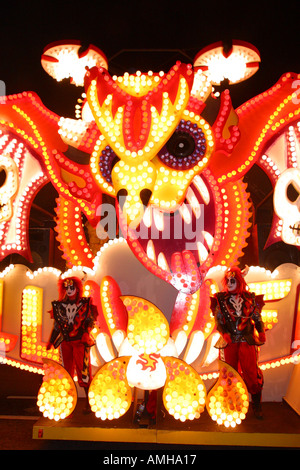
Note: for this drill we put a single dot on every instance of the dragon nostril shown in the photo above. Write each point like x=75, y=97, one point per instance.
x=121, y=197
x=145, y=195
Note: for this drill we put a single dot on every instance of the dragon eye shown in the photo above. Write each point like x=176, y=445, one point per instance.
x=181, y=144
x=185, y=148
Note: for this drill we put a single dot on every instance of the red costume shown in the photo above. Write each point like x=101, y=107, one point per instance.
x=237, y=315
x=74, y=318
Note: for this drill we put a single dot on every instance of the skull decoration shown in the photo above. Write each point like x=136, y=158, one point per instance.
x=280, y=162
x=287, y=205
x=21, y=176
x=9, y=186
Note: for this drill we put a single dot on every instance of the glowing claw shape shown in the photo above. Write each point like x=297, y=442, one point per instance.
x=227, y=402
x=109, y=393
x=192, y=322
x=148, y=329
x=57, y=396
x=184, y=392
x=114, y=311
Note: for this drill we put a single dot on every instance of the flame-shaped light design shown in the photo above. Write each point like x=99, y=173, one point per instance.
x=184, y=392
x=227, y=402
x=109, y=393
x=57, y=395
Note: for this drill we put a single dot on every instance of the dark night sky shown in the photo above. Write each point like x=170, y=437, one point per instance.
x=27, y=27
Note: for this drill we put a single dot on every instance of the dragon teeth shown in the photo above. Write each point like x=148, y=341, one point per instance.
x=201, y=187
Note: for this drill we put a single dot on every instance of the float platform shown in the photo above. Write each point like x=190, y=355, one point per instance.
x=280, y=428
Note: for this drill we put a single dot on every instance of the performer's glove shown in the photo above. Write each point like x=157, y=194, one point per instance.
x=262, y=337
x=227, y=338
x=86, y=339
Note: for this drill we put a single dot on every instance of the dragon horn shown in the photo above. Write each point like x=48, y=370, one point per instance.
x=245, y=271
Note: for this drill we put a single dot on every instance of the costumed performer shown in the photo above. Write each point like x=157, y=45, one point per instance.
x=74, y=317
x=237, y=314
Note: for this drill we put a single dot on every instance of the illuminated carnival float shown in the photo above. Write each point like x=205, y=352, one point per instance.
x=181, y=215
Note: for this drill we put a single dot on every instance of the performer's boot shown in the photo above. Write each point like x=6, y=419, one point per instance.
x=256, y=405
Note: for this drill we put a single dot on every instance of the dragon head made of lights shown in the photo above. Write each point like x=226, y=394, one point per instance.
x=172, y=164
